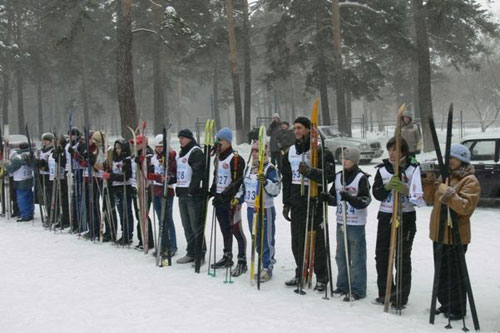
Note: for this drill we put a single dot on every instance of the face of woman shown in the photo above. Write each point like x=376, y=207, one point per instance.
x=454, y=163
x=300, y=131
x=118, y=149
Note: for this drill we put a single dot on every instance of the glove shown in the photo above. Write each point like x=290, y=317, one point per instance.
x=324, y=197
x=151, y=176
x=286, y=213
x=218, y=201
x=70, y=150
x=235, y=202
x=106, y=175
x=261, y=178
x=345, y=196
x=448, y=194
x=304, y=168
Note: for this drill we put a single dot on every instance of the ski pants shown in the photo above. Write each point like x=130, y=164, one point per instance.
x=167, y=239
x=13, y=197
x=230, y=225
x=409, y=229
x=269, y=228
x=452, y=289
x=298, y=215
x=123, y=198
x=356, y=248
x=138, y=217
x=94, y=218
x=190, y=210
x=25, y=203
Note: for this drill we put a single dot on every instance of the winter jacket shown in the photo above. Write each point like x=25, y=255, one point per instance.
x=20, y=159
x=464, y=201
x=172, y=170
x=359, y=201
x=127, y=163
x=197, y=163
x=274, y=132
x=236, y=176
x=291, y=192
x=286, y=139
x=411, y=133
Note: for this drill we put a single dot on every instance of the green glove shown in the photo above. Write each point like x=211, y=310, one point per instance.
x=397, y=185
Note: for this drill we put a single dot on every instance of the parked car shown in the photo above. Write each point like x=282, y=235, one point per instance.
x=485, y=151
x=335, y=140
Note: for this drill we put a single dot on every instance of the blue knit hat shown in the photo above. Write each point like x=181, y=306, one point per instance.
x=460, y=152
x=225, y=134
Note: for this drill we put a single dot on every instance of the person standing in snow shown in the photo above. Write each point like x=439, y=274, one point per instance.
x=227, y=180
x=168, y=240
x=460, y=194
x=121, y=191
x=247, y=193
x=43, y=166
x=411, y=133
x=355, y=193
x=296, y=166
x=273, y=132
x=22, y=171
x=386, y=183
x=190, y=171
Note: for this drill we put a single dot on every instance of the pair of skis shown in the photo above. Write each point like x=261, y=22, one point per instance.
x=307, y=268
x=164, y=220
x=258, y=215
x=207, y=149
x=448, y=215
x=396, y=229
x=38, y=185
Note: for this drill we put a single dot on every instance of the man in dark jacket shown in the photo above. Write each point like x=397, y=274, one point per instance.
x=296, y=166
x=273, y=132
x=190, y=171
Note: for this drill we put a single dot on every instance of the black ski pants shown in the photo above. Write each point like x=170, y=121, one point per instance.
x=298, y=215
x=409, y=229
x=452, y=290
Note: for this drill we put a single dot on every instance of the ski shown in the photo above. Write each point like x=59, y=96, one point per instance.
x=164, y=222
x=69, y=179
x=258, y=215
x=326, y=228
x=38, y=184
x=2, y=173
x=207, y=148
x=444, y=172
x=395, y=221
x=6, y=178
x=310, y=234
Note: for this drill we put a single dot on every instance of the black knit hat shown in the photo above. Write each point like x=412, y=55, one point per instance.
x=304, y=121
x=75, y=131
x=186, y=133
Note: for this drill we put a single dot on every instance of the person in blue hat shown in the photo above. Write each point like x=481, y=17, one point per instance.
x=228, y=176
x=461, y=194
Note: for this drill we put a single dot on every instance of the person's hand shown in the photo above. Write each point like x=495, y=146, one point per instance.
x=261, y=178
x=345, y=196
x=448, y=194
x=324, y=197
x=217, y=201
x=106, y=175
x=235, y=202
x=304, y=168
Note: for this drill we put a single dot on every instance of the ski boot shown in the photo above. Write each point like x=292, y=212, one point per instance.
x=240, y=268
x=225, y=261
x=265, y=275
x=320, y=287
x=293, y=282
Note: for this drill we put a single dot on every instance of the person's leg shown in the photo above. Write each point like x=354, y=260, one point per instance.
x=382, y=251
x=357, y=251
x=342, y=280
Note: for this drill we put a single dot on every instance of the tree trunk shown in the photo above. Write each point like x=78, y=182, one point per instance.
x=39, y=92
x=292, y=99
x=84, y=94
x=235, y=77
x=158, y=101
x=338, y=72
x=19, y=74
x=7, y=64
x=125, y=76
x=269, y=98
x=160, y=112
x=247, y=70
x=215, y=101
x=348, y=99
x=424, y=71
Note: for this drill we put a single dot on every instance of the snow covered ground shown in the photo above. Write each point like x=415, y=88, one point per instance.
x=55, y=282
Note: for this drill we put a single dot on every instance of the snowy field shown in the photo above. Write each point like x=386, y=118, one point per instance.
x=55, y=282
